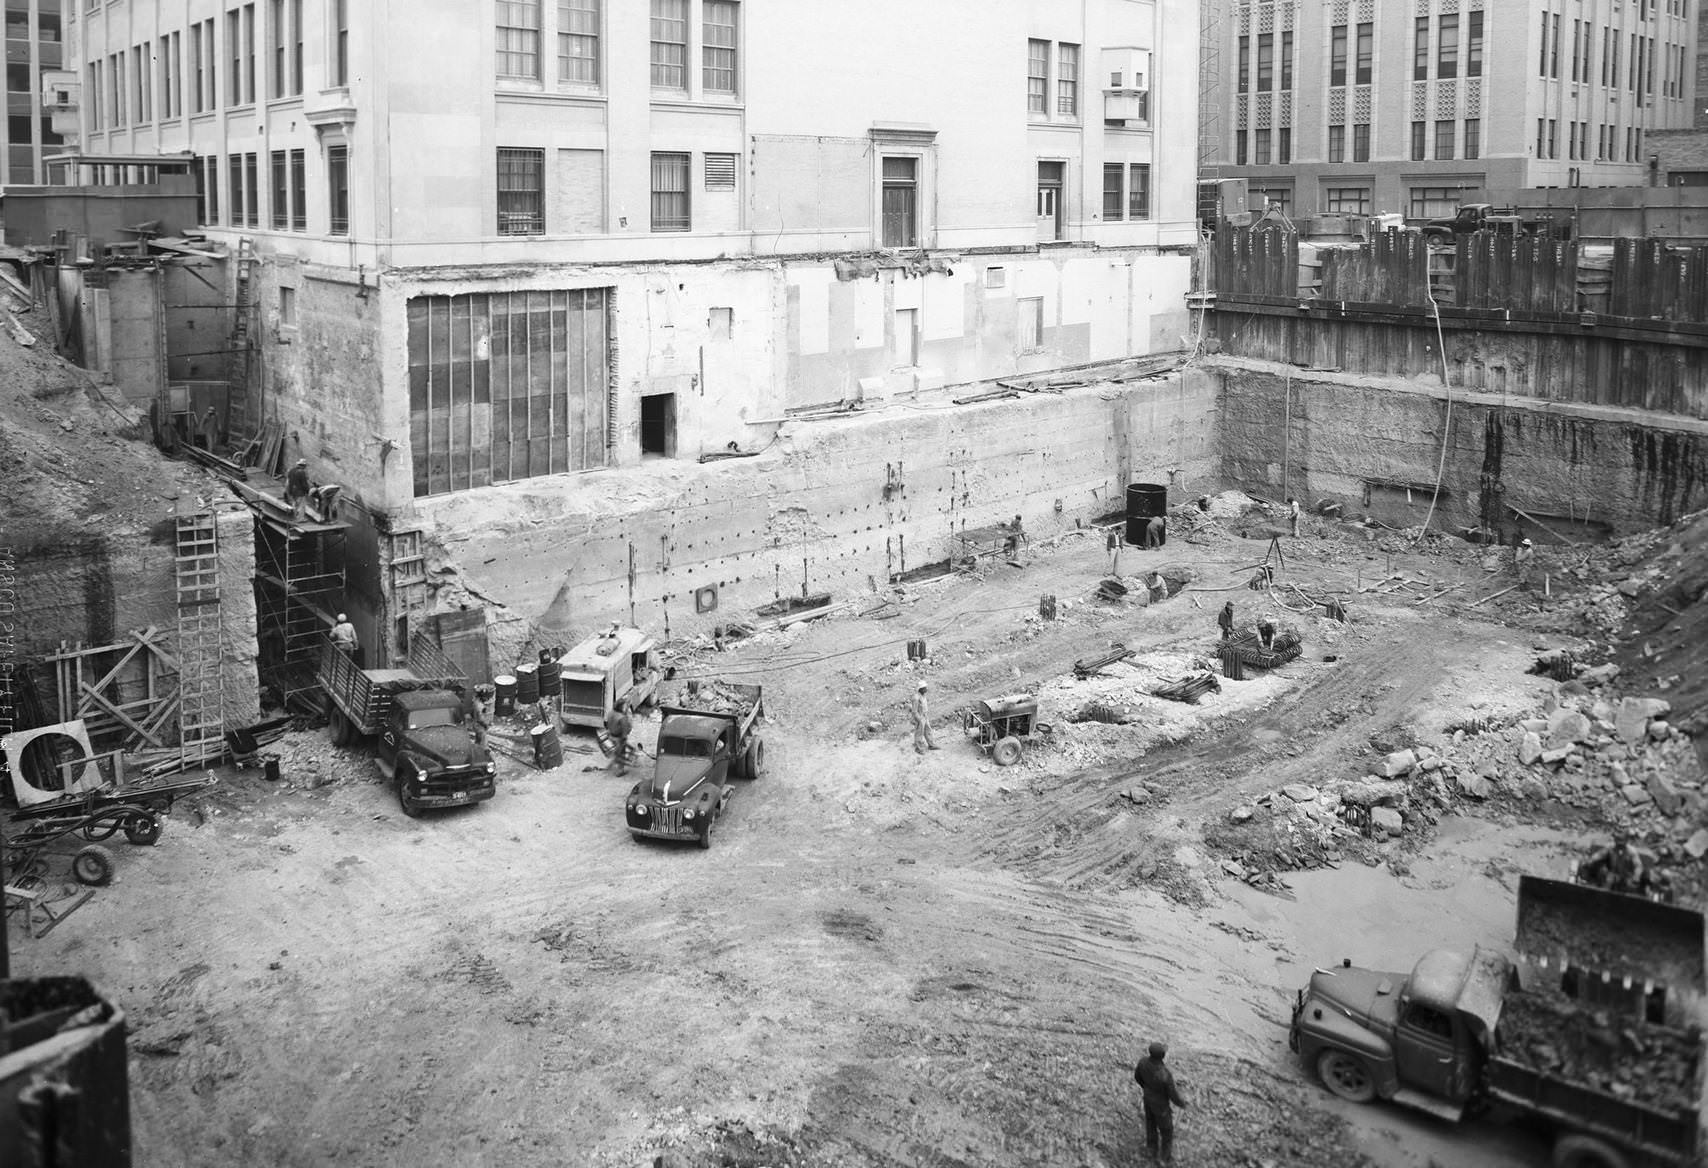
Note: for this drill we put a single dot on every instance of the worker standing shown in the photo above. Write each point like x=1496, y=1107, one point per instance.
x=618, y=725
x=920, y=711
x=1161, y=1097
x=1154, y=531
x=1225, y=619
x=297, y=488
x=1522, y=557
x=1293, y=513
x=344, y=637
x=209, y=429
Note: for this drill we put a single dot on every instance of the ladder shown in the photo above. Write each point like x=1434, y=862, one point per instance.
x=240, y=323
x=200, y=716
x=237, y=407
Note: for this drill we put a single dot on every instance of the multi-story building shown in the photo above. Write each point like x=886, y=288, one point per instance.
x=1356, y=106
x=34, y=46
x=521, y=239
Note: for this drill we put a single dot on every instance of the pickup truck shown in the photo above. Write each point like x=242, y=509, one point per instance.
x=1474, y=217
x=704, y=742
x=1584, y=1034
x=415, y=715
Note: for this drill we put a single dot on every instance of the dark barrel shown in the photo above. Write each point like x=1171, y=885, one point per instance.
x=504, y=695
x=1145, y=501
x=527, y=684
x=549, y=678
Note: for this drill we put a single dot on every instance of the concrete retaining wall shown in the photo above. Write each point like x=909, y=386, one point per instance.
x=1577, y=468
x=837, y=506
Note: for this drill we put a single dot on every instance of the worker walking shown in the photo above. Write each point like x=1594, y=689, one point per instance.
x=1154, y=531
x=344, y=637
x=618, y=725
x=920, y=711
x=1225, y=619
x=297, y=488
x=1161, y=1097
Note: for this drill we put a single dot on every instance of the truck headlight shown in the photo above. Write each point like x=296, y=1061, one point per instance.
x=688, y=814
x=639, y=809
x=491, y=768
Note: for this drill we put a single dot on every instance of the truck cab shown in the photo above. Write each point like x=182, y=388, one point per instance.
x=1420, y=1040
x=430, y=755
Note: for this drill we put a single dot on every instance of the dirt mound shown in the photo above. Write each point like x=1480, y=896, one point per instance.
x=1664, y=575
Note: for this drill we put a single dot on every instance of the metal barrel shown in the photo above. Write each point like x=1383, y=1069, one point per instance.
x=548, y=751
x=503, y=695
x=527, y=684
x=550, y=679
x=1145, y=501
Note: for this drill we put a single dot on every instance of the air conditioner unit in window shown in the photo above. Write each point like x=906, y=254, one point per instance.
x=1126, y=105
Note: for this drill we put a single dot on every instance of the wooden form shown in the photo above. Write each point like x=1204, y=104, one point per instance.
x=126, y=692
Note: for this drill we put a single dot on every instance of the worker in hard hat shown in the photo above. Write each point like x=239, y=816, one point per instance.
x=344, y=637
x=297, y=488
x=920, y=711
x=1522, y=557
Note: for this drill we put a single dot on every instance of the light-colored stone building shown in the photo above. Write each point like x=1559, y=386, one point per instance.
x=1365, y=107
x=35, y=36
x=511, y=242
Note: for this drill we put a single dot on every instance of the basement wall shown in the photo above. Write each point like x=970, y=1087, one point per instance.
x=239, y=689
x=557, y=557
x=1580, y=469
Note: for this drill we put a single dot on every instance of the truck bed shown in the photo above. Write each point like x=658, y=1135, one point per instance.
x=364, y=695
x=724, y=699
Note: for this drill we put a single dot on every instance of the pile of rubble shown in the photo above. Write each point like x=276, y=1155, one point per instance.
x=1652, y=1064
x=308, y=760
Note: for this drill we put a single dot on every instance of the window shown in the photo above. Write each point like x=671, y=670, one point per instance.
x=670, y=210
x=171, y=84
x=578, y=41
x=296, y=46
x=1429, y=1020
x=1542, y=60
x=202, y=88
x=1572, y=140
x=287, y=47
x=1038, y=77
x=1241, y=157
x=1606, y=55
x=142, y=78
x=1337, y=55
x=95, y=122
x=341, y=42
x=1366, y=53
x=234, y=166
x=1337, y=143
x=1419, y=146
x=718, y=50
x=1260, y=148
x=1139, y=190
x=1553, y=138
x=1347, y=200
x=234, y=42
x=1444, y=139
x=1577, y=46
x=905, y=354
x=1286, y=60
x=199, y=169
x=1244, y=64
x=521, y=192
x=119, y=90
x=1114, y=192
x=720, y=172
x=1361, y=142
x=518, y=40
x=1474, y=48
x=299, y=191
x=1447, y=52
x=1433, y=202
x=280, y=213
x=1473, y=137
x=1554, y=53
x=251, y=190
x=1284, y=146
x=900, y=201
x=1420, y=51
x=338, y=189
x=1067, y=81
x=249, y=54
x=277, y=34
x=670, y=44
x=288, y=307
x=1265, y=62
x=1541, y=137
x=1031, y=323
x=1280, y=198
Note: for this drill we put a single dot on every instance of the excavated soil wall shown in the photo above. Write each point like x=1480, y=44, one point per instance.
x=1514, y=466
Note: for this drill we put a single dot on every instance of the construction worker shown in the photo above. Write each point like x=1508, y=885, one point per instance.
x=1225, y=619
x=1293, y=513
x=297, y=488
x=344, y=637
x=475, y=714
x=618, y=725
x=1522, y=557
x=1266, y=633
x=1154, y=531
x=209, y=432
x=1161, y=1097
x=920, y=712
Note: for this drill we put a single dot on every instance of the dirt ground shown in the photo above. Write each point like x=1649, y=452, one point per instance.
x=886, y=958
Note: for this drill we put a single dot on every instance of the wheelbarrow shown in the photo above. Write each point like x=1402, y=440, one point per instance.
x=1001, y=726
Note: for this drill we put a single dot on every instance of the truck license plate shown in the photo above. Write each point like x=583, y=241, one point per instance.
x=460, y=797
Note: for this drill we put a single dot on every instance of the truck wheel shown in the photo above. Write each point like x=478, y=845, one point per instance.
x=1346, y=1076
x=1006, y=752
x=93, y=866
x=755, y=758
x=706, y=836
x=410, y=807
x=142, y=830
x=1581, y=1151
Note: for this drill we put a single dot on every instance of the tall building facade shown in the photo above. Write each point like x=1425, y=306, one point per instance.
x=34, y=46
x=1364, y=107
x=576, y=233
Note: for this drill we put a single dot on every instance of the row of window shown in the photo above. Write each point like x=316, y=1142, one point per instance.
x=522, y=188
x=1639, y=75
x=130, y=86
x=1446, y=139
x=1266, y=62
x=1446, y=55
x=1610, y=144
x=287, y=174
x=1425, y=202
x=1126, y=191
x=48, y=28
x=1038, y=78
x=521, y=40
x=1258, y=154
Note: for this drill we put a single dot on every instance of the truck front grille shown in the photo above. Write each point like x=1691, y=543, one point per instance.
x=667, y=819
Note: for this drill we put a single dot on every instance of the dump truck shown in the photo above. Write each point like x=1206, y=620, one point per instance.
x=705, y=741
x=1589, y=1032
x=603, y=671
x=414, y=714
x=1474, y=217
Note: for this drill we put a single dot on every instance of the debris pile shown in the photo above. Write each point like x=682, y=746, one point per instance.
x=1637, y=1061
x=715, y=697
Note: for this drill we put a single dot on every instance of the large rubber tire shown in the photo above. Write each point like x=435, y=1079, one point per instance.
x=1006, y=752
x=93, y=866
x=706, y=835
x=756, y=758
x=410, y=807
x=143, y=830
x=1581, y=1151
x=1346, y=1075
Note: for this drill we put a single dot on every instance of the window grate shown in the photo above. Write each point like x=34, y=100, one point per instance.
x=720, y=172
x=521, y=192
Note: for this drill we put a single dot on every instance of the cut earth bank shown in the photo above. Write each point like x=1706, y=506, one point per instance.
x=886, y=959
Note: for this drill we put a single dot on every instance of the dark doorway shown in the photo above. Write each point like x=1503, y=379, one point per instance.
x=658, y=424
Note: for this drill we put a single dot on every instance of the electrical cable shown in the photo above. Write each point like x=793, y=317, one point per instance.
x=1446, y=421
